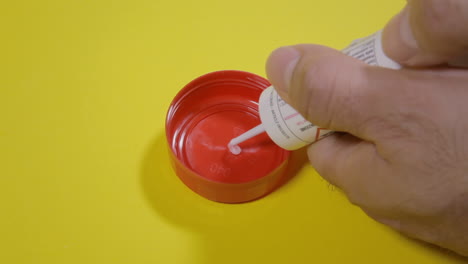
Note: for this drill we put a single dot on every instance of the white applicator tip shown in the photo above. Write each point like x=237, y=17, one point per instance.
x=234, y=149
x=233, y=145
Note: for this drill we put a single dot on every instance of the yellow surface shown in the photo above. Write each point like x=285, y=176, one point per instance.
x=84, y=175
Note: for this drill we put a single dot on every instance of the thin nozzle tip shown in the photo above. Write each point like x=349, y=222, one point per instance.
x=233, y=145
x=234, y=149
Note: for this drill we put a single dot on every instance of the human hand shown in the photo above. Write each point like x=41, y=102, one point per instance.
x=404, y=156
x=429, y=32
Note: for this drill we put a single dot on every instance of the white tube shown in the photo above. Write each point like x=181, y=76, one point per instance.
x=233, y=144
x=247, y=135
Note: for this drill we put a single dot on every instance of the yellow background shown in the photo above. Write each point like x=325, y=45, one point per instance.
x=84, y=174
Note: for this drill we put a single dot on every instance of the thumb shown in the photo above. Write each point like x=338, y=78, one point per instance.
x=331, y=89
x=429, y=32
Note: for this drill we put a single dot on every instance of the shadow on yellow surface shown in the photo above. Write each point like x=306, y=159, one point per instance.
x=170, y=198
x=297, y=230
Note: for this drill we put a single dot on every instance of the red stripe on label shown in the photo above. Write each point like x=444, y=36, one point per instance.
x=317, y=135
x=291, y=116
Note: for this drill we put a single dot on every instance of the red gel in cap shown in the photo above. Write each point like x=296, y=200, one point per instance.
x=204, y=116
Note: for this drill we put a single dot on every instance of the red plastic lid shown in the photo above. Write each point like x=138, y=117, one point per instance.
x=204, y=116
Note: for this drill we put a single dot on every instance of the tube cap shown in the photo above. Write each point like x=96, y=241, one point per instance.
x=203, y=117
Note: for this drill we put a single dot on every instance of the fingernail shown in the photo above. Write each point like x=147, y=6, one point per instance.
x=406, y=50
x=406, y=32
x=409, y=50
x=280, y=68
x=398, y=40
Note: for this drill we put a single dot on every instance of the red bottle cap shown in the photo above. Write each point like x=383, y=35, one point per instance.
x=204, y=116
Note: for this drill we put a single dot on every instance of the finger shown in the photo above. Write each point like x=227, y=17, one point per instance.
x=429, y=32
x=330, y=155
x=352, y=165
x=333, y=90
